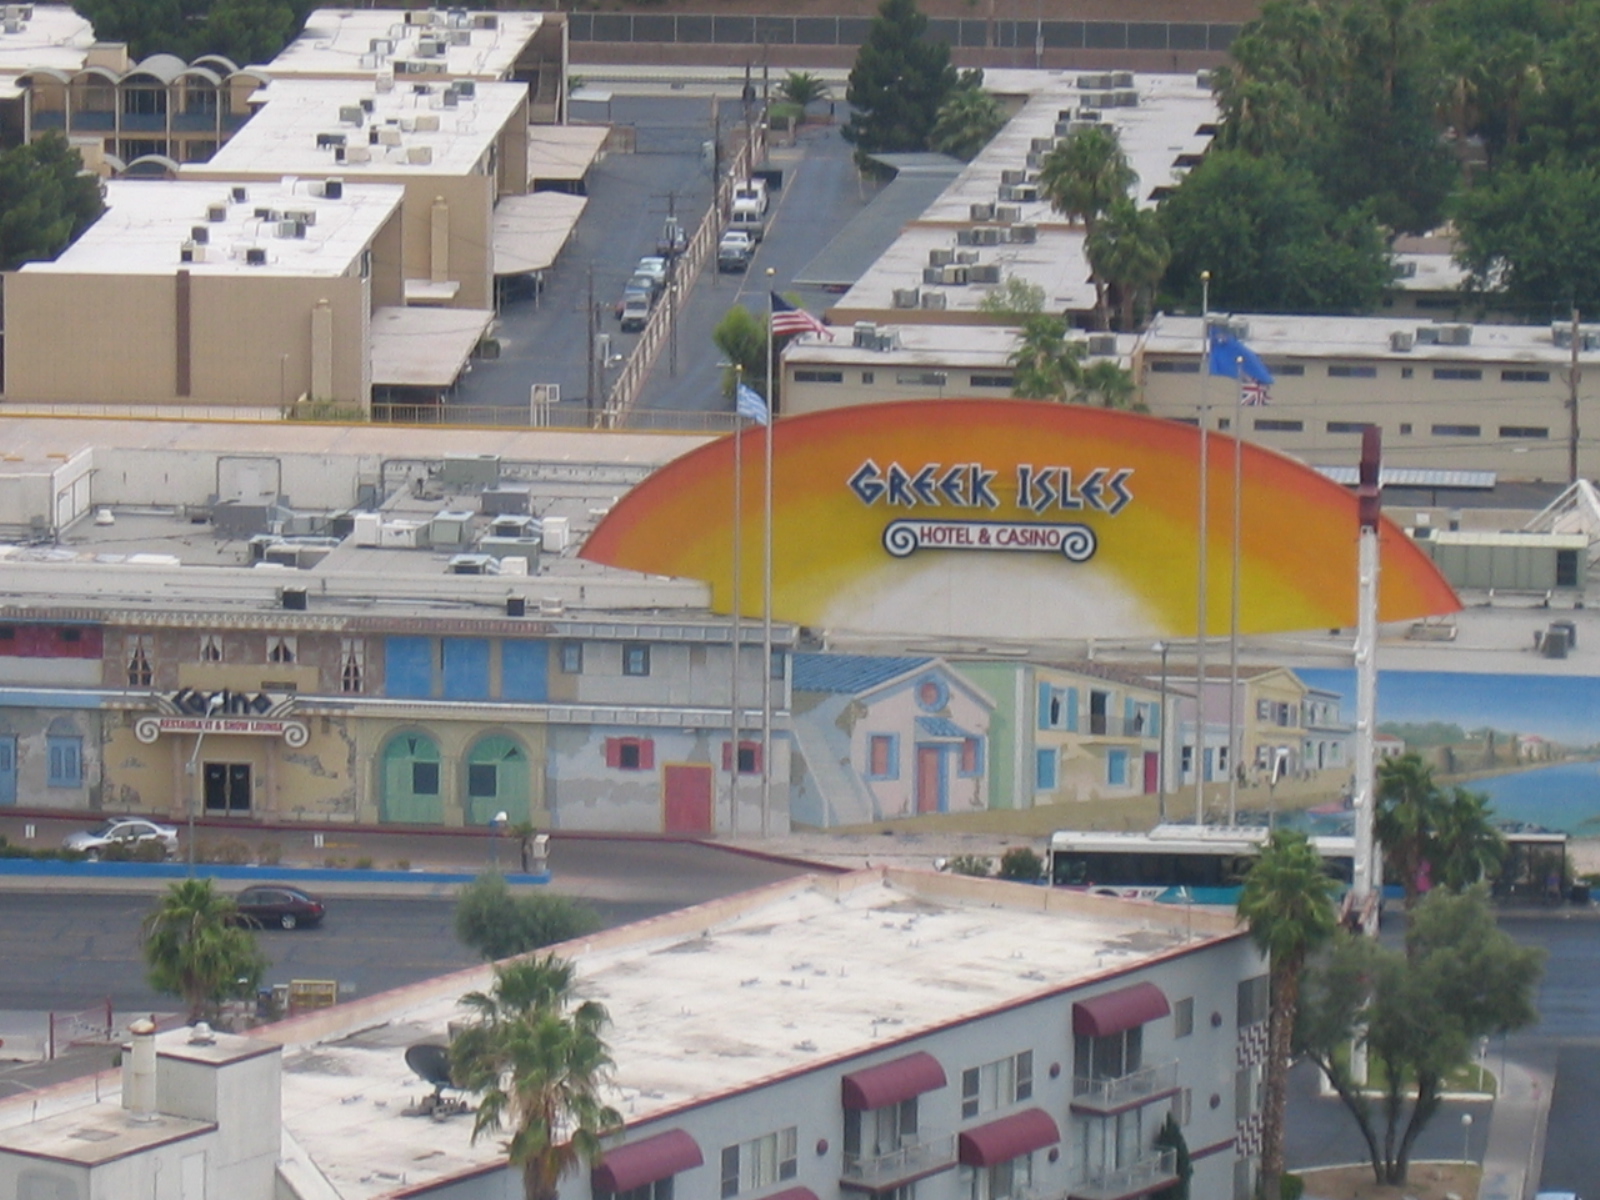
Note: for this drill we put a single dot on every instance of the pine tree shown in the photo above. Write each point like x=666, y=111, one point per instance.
x=899, y=82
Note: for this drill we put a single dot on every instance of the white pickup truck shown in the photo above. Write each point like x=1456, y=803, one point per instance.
x=734, y=250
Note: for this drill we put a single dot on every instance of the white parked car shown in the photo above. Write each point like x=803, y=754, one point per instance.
x=122, y=831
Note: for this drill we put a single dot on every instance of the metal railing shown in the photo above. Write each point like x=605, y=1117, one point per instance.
x=934, y=1152
x=1135, y=1179
x=1101, y=1094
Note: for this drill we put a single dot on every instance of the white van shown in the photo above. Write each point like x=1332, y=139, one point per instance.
x=751, y=191
x=749, y=219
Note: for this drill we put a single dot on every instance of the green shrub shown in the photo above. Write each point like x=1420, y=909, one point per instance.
x=498, y=924
x=364, y=863
x=1021, y=865
x=1292, y=1187
x=402, y=864
x=977, y=865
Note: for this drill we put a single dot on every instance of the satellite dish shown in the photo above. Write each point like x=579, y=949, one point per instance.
x=432, y=1062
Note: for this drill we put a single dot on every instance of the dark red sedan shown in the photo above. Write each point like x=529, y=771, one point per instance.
x=278, y=904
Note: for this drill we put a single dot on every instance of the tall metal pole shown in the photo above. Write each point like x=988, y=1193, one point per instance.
x=1161, y=648
x=766, y=578
x=1368, y=868
x=738, y=588
x=1235, y=742
x=1574, y=375
x=594, y=350
x=1200, y=614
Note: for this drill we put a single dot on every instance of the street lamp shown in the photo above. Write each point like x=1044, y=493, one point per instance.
x=215, y=702
x=497, y=825
x=1161, y=648
x=1466, y=1137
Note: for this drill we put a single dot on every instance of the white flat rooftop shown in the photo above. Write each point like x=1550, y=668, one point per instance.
x=146, y=223
x=419, y=135
x=1367, y=338
x=718, y=998
x=55, y=37
x=340, y=42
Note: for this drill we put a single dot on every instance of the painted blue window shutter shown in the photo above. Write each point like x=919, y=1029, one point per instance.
x=1072, y=709
x=408, y=666
x=1128, y=707
x=1155, y=721
x=1045, y=770
x=466, y=668
x=524, y=670
x=1044, y=706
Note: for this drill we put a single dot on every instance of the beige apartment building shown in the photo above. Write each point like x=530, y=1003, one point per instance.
x=455, y=147
x=209, y=294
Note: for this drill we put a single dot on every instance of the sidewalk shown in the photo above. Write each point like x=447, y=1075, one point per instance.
x=1515, y=1150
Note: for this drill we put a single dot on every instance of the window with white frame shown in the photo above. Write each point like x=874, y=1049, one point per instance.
x=1183, y=1017
x=1254, y=996
x=352, y=665
x=760, y=1162
x=875, y=1132
x=661, y=1189
x=282, y=648
x=140, y=655
x=211, y=647
x=1003, y=1181
x=1114, y=1056
x=997, y=1084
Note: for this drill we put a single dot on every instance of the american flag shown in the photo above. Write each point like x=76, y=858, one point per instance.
x=787, y=319
x=1253, y=393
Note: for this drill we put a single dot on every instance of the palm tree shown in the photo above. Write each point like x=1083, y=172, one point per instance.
x=195, y=949
x=1047, y=366
x=1287, y=901
x=1129, y=250
x=802, y=87
x=1082, y=178
x=1106, y=384
x=1409, y=812
x=540, y=1064
x=965, y=123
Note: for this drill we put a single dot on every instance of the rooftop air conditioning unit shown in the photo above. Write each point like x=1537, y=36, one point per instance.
x=965, y=237
x=941, y=256
x=1097, y=82
x=199, y=235
x=461, y=37
x=326, y=140
x=865, y=334
x=191, y=253
x=1087, y=115
x=292, y=229
x=1125, y=98
x=1122, y=79
x=1025, y=235
x=953, y=276
x=240, y=195
x=380, y=46
x=1008, y=214
x=1063, y=129
x=216, y=213
x=1406, y=269
x=255, y=256
x=1401, y=341
x=1561, y=336
x=388, y=136
x=429, y=47
x=1455, y=335
x=427, y=123
x=1033, y=158
x=1427, y=335
x=485, y=21
x=358, y=154
x=1099, y=99
x=383, y=83
x=981, y=212
x=368, y=105
x=408, y=124
x=1012, y=175
x=1042, y=145
x=966, y=257
x=266, y=214
x=421, y=16
x=352, y=114
x=987, y=273
x=988, y=235
x=451, y=98
x=419, y=156
x=467, y=89
x=931, y=275
x=305, y=216
x=907, y=297
x=1202, y=79
x=1103, y=345
x=933, y=300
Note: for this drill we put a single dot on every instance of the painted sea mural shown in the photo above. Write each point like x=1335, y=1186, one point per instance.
x=1531, y=743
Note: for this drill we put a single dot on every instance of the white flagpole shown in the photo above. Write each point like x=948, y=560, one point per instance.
x=1200, y=615
x=766, y=579
x=1235, y=746
x=738, y=586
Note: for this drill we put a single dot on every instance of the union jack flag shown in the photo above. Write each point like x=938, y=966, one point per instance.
x=1254, y=394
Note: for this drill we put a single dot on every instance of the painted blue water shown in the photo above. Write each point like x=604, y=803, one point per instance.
x=1564, y=798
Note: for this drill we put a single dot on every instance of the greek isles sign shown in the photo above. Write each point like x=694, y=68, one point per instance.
x=1044, y=491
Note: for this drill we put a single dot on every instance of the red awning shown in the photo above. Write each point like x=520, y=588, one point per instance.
x=794, y=1193
x=631, y=1166
x=1119, y=1010
x=891, y=1082
x=1001, y=1141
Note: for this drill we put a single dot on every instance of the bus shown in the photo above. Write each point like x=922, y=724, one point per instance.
x=1199, y=864
x=1178, y=864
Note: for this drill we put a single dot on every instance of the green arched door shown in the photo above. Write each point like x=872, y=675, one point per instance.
x=412, y=786
x=497, y=780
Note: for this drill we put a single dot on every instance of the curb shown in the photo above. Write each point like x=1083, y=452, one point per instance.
x=31, y=869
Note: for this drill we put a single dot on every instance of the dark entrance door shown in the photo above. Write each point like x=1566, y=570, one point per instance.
x=227, y=787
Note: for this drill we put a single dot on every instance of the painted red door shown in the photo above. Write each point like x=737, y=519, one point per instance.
x=686, y=797
x=1152, y=772
x=930, y=778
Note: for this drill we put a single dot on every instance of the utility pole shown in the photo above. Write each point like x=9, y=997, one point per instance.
x=594, y=338
x=1574, y=374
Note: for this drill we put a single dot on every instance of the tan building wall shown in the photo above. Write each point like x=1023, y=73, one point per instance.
x=115, y=338
x=1520, y=423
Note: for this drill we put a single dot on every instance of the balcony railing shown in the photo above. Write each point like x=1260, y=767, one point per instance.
x=1136, y=1179
x=914, y=1159
x=1098, y=725
x=1109, y=1095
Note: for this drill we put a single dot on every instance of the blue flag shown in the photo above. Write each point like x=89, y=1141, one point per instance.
x=750, y=405
x=1231, y=357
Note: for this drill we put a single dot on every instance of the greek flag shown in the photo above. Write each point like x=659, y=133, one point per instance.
x=749, y=404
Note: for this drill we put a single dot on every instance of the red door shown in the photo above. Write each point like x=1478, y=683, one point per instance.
x=930, y=778
x=1152, y=772
x=686, y=797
